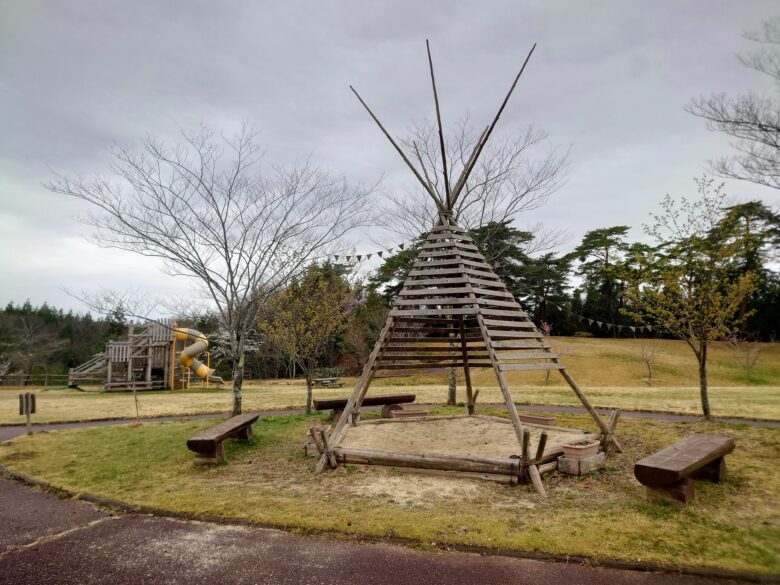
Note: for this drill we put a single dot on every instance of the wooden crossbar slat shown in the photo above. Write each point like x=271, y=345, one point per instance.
x=453, y=245
x=525, y=356
x=437, y=350
x=415, y=312
x=519, y=345
x=462, y=290
x=524, y=323
x=531, y=366
x=519, y=313
x=444, y=253
x=430, y=366
x=428, y=330
x=510, y=333
x=424, y=357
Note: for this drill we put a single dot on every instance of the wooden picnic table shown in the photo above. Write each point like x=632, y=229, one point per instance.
x=327, y=382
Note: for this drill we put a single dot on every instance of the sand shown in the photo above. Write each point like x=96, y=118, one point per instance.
x=456, y=436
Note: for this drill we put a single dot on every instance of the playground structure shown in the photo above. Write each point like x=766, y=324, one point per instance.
x=455, y=311
x=155, y=356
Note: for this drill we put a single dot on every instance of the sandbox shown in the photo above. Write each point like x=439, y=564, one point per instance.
x=480, y=446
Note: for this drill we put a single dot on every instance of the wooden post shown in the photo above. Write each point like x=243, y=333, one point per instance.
x=516, y=422
x=592, y=411
x=611, y=424
x=27, y=408
x=540, y=447
x=149, y=363
x=470, y=396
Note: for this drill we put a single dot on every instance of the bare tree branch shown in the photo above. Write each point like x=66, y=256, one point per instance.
x=208, y=210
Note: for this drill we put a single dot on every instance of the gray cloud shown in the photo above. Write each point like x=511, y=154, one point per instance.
x=610, y=79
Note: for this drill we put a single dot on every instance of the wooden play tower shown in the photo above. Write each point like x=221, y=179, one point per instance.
x=155, y=356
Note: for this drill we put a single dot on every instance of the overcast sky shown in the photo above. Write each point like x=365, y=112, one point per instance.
x=609, y=79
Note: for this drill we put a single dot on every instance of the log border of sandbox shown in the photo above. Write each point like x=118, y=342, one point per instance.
x=516, y=469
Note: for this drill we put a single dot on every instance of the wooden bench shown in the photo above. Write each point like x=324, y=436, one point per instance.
x=389, y=402
x=327, y=383
x=669, y=473
x=207, y=444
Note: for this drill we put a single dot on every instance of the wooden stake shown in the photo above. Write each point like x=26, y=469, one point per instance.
x=540, y=447
x=536, y=480
x=592, y=411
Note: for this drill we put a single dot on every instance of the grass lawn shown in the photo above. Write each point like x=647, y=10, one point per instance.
x=732, y=525
x=72, y=405
x=610, y=371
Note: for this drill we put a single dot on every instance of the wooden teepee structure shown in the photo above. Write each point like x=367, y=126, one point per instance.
x=453, y=310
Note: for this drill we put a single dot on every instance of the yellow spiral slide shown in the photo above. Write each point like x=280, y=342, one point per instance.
x=187, y=357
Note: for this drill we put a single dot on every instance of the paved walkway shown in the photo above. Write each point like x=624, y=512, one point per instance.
x=44, y=539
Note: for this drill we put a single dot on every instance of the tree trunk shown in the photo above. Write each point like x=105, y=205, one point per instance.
x=308, y=393
x=238, y=380
x=453, y=387
x=705, y=400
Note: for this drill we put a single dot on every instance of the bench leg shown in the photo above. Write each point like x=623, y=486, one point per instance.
x=387, y=410
x=211, y=457
x=714, y=471
x=680, y=492
x=244, y=434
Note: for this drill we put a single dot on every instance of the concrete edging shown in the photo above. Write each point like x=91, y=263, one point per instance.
x=639, y=566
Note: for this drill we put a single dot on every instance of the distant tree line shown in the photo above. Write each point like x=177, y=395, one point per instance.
x=327, y=319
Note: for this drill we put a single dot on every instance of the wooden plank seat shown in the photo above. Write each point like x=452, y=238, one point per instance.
x=207, y=444
x=327, y=382
x=388, y=402
x=669, y=473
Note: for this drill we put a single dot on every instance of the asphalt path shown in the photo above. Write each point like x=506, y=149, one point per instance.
x=48, y=540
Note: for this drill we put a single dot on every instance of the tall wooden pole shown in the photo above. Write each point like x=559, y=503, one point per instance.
x=481, y=143
x=441, y=132
x=417, y=174
x=359, y=392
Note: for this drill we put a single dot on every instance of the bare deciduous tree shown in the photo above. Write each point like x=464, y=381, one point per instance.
x=511, y=176
x=746, y=351
x=204, y=207
x=648, y=349
x=752, y=120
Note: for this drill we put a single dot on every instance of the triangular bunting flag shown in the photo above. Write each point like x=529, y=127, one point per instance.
x=359, y=258
x=633, y=328
x=599, y=323
x=349, y=258
x=336, y=257
x=401, y=246
x=368, y=256
x=590, y=321
x=379, y=254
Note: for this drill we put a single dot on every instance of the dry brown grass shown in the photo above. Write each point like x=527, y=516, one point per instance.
x=610, y=370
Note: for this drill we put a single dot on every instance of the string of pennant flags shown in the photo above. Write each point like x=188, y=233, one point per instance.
x=367, y=255
x=580, y=318
x=609, y=326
